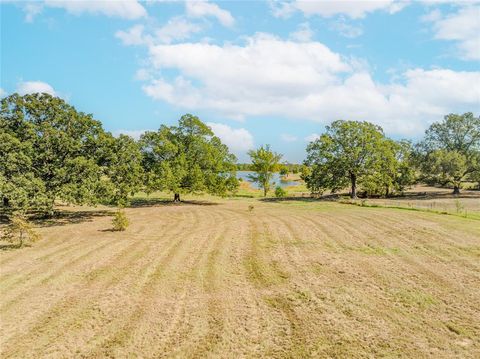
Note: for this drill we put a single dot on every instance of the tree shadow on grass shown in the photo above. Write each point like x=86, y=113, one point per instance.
x=156, y=202
x=12, y=246
x=63, y=217
x=407, y=196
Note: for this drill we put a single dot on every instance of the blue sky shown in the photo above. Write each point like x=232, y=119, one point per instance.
x=258, y=72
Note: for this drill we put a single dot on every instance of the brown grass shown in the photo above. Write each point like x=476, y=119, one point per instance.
x=285, y=280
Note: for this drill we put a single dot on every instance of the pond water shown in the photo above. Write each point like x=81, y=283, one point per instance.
x=276, y=181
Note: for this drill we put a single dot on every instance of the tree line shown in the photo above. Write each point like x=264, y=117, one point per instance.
x=49, y=151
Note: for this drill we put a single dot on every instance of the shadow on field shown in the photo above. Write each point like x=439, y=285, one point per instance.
x=407, y=196
x=62, y=217
x=153, y=202
x=12, y=246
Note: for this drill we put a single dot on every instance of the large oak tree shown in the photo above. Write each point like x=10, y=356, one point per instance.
x=449, y=153
x=349, y=153
x=187, y=158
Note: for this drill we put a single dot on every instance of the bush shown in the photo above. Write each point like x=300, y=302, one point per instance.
x=120, y=221
x=280, y=192
x=19, y=230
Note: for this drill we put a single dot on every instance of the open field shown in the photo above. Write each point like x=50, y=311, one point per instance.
x=291, y=279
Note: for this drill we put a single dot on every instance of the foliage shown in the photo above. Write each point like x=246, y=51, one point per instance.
x=120, y=221
x=449, y=153
x=187, y=158
x=348, y=153
x=264, y=162
x=283, y=170
x=123, y=168
x=51, y=151
x=394, y=171
x=19, y=231
x=280, y=192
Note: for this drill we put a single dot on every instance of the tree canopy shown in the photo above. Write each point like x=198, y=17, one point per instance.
x=450, y=150
x=187, y=158
x=50, y=151
x=352, y=152
x=264, y=163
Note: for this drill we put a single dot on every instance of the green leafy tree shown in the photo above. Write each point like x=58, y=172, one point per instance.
x=456, y=138
x=280, y=192
x=393, y=170
x=265, y=163
x=346, y=154
x=446, y=167
x=283, y=170
x=187, y=158
x=19, y=231
x=122, y=161
x=58, y=147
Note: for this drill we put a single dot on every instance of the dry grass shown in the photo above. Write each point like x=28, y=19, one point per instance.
x=285, y=280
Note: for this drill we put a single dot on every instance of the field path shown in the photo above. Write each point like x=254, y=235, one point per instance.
x=284, y=280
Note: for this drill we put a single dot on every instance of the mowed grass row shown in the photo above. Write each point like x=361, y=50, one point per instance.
x=287, y=279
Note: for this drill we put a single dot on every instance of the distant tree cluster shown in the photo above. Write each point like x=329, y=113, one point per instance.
x=450, y=152
x=49, y=151
x=359, y=155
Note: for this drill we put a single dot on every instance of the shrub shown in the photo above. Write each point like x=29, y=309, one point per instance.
x=280, y=192
x=120, y=221
x=19, y=230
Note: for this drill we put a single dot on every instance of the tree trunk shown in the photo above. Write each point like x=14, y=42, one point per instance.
x=264, y=191
x=456, y=189
x=6, y=202
x=387, y=191
x=176, y=197
x=353, y=180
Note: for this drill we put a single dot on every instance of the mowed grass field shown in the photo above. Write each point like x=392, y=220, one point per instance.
x=290, y=279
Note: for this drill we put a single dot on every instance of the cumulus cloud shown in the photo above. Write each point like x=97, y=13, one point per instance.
x=132, y=36
x=312, y=137
x=286, y=137
x=126, y=9
x=29, y=87
x=268, y=76
x=463, y=27
x=354, y=9
x=177, y=28
x=303, y=34
x=237, y=139
x=201, y=8
x=135, y=134
x=346, y=29
x=3, y=93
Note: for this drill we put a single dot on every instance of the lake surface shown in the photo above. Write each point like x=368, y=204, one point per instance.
x=276, y=181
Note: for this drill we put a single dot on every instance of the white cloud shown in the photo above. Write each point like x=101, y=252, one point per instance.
x=176, y=28
x=201, y=8
x=312, y=137
x=237, y=139
x=286, y=137
x=351, y=8
x=29, y=87
x=135, y=134
x=31, y=10
x=3, y=93
x=303, y=34
x=132, y=36
x=346, y=29
x=127, y=9
x=268, y=76
x=462, y=27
